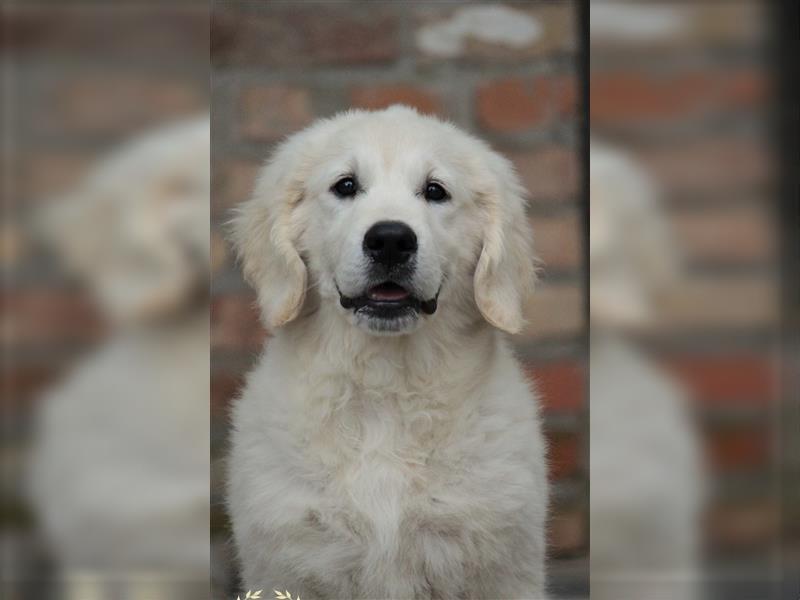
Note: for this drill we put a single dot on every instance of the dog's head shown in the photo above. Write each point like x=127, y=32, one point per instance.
x=136, y=229
x=394, y=217
x=634, y=260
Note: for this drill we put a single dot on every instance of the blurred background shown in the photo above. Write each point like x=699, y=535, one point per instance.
x=685, y=300
x=504, y=71
x=104, y=252
x=101, y=161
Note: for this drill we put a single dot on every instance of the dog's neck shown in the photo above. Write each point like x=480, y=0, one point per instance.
x=433, y=352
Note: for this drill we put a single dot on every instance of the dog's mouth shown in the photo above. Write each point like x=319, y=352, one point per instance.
x=388, y=292
x=388, y=300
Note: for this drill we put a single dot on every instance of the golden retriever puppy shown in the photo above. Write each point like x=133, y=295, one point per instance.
x=387, y=445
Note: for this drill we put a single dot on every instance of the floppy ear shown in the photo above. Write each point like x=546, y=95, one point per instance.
x=265, y=238
x=505, y=274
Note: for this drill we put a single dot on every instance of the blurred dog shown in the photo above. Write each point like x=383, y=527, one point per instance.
x=387, y=445
x=645, y=465
x=120, y=467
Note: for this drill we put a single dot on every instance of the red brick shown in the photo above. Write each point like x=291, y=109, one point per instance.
x=269, y=112
x=298, y=35
x=708, y=165
x=232, y=182
x=380, y=96
x=628, y=96
x=557, y=241
x=25, y=384
x=114, y=104
x=235, y=324
x=566, y=533
x=224, y=387
x=510, y=105
x=561, y=385
x=563, y=455
x=721, y=380
x=554, y=311
x=548, y=174
x=739, y=448
x=52, y=317
x=513, y=104
x=566, y=96
x=730, y=235
x=746, y=89
x=625, y=96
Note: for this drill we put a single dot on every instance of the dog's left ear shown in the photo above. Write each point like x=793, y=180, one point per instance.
x=505, y=273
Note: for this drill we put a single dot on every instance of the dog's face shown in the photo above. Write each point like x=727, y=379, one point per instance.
x=137, y=228
x=394, y=218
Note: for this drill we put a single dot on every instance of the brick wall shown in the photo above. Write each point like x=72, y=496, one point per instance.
x=82, y=82
x=691, y=104
x=278, y=66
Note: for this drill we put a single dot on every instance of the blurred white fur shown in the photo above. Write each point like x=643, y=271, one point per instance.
x=632, y=258
x=647, y=480
x=119, y=474
x=366, y=466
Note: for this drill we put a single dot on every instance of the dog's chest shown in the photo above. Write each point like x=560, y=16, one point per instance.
x=379, y=458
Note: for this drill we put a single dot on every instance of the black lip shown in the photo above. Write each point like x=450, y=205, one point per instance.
x=388, y=309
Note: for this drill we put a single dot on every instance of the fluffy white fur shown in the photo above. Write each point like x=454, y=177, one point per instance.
x=374, y=466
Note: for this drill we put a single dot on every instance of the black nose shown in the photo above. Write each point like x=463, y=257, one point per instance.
x=390, y=243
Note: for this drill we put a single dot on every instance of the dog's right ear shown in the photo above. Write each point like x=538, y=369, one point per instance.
x=265, y=237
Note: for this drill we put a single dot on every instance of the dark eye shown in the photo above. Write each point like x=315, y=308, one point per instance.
x=435, y=192
x=346, y=187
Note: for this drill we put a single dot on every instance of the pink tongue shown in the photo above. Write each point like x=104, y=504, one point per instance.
x=388, y=293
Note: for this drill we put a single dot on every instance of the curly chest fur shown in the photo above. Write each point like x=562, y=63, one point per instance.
x=402, y=493
x=380, y=488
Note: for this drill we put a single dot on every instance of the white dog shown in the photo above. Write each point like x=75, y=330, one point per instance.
x=387, y=445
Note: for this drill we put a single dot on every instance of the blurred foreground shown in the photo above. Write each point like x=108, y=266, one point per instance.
x=105, y=252
x=685, y=299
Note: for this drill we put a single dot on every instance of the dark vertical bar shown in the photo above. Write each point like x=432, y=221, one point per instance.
x=584, y=63
x=786, y=48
